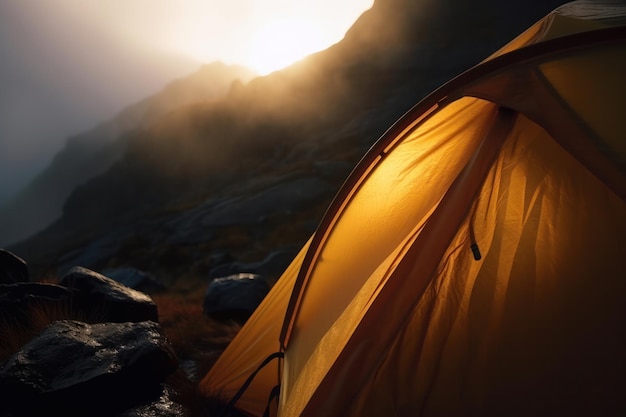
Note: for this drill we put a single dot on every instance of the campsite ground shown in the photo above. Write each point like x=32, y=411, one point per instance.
x=196, y=339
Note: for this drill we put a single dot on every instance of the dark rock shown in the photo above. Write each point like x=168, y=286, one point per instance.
x=17, y=301
x=276, y=262
x=251, y=205
x=12, y=268
x=284, y=197
x=235, y=296
x=135, y=279
x=270, y=267
x=96, y=252
x=116, y=302
x=220, y=257
x=73, y=368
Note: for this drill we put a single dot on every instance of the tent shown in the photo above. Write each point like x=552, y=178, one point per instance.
x=474, y=262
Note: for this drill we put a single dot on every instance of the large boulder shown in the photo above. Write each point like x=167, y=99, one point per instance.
x=114, y=301
x=235, y=296
x=73, y=368
x=12, y=268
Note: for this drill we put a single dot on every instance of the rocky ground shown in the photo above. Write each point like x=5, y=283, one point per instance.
x=90, y=345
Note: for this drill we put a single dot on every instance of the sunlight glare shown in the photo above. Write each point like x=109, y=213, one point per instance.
x=280, y=43
x=264, y=36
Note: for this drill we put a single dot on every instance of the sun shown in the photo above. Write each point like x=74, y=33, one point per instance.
x=280, y=43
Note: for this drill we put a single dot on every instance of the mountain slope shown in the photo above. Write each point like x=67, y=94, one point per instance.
x=195, y=182
x=89, y=154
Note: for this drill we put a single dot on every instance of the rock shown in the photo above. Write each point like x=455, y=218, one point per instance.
x=233, y=268
x=235, y=296
x=135, y=279
x=12, y=268
x=279, y=199
x=96, y=252
x=17, y=301
x=116, y=302
x=271, y=267
x=220, y=257
x=73, y=368
x=248, y=205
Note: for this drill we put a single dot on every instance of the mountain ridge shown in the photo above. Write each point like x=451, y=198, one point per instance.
x=313, y=120
x=91, y=153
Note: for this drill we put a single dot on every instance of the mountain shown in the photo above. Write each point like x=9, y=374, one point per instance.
x=91, y=153
x=253, y=172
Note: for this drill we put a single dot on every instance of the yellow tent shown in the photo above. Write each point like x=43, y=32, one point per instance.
x=474, y=263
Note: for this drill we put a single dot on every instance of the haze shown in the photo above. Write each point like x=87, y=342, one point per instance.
x=66, y=65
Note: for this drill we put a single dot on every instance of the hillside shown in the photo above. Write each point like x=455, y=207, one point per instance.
x=253, y=172
x=92, y=153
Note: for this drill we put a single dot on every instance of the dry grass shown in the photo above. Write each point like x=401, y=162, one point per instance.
x=15, y=332
x=192, y=335
x=12, y=337
x=196, y=339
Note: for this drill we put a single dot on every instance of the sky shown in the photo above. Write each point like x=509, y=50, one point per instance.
x=66, y=65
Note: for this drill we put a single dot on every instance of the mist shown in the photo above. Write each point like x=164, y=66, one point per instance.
x=67, y=65
x=62, y=74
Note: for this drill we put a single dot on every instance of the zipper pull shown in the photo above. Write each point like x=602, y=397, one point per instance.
x=476, y=251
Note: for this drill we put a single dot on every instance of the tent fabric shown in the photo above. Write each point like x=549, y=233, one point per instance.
x=474, y=262
x=256, y=341
x=383, y=204
x=492, y=337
